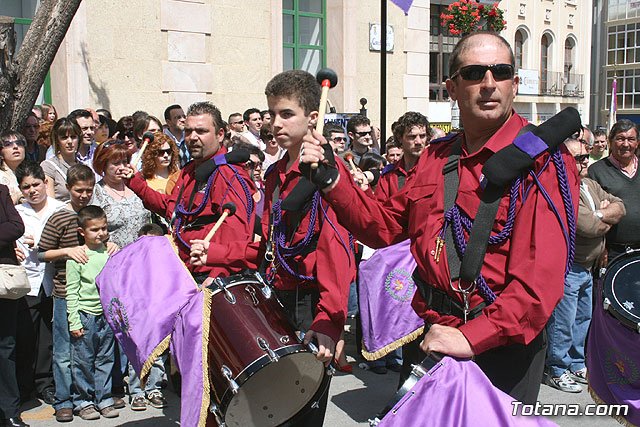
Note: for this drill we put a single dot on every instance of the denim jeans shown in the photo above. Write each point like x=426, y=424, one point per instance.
x=352, y=306
x=92, y=361
x=61, y=355
x=567, y=328
x=393, y=358
x=154, y=380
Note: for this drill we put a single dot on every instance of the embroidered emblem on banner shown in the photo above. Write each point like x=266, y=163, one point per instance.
x=400, y=285
x=620, y=369
x=118, y=315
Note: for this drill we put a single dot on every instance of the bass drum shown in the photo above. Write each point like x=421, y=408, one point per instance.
x=621, y=289
x=261, y=374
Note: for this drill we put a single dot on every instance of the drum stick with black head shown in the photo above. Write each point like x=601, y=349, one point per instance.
x=227, y=210
x=327, y=79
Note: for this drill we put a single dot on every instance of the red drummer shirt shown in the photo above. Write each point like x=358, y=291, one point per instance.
x=226, y=187
x=332, y=261
x=389, y=182
x=526, y=272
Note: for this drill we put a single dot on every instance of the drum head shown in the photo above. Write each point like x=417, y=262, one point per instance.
x=622, y=288
x=276, y=392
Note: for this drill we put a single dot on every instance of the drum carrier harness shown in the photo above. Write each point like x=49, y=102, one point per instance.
x=509, y=165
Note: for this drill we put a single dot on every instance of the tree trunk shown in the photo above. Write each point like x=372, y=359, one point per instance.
x=31, y=64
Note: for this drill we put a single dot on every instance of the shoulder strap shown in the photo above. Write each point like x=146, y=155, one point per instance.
x=451, y=183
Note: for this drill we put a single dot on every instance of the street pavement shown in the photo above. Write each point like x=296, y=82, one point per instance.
x=354, y=399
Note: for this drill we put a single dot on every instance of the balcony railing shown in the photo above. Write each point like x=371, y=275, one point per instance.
x=562, y=84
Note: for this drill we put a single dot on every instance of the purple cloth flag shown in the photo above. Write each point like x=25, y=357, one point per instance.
x=142, y=288
x=385, y=293
x=613, y=363
x=405, y=5
x=456, y=393
x=187, y=348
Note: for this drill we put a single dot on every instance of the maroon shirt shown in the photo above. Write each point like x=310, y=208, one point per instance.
x=225, y=188
x=332, y=263
x=526, y=272
x=388, y=184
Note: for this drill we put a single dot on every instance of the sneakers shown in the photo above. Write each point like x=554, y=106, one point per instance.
x=562, y=383
x=156, y=399
x=109, y=412
x=139, y=403
x=64, y=415
x=89, y=413
x=579, y=376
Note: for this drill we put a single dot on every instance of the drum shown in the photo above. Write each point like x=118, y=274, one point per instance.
x=260, y=372
x=621, y=289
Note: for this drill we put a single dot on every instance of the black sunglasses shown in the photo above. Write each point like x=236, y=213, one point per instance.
x=10, y=142
x=581, y=158
x=163, y=152
x=477, y=72
x=268, y=137
x=340, y=139
x=112, y=142
x=364, y=133
x=252, y=165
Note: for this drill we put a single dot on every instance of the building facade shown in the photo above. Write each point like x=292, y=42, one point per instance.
x=617, y=45
x=148, y=54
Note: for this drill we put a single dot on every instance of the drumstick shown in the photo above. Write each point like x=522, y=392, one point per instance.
x=146, y=138
x=349, y=158
x=327, y=79
x=227, y=209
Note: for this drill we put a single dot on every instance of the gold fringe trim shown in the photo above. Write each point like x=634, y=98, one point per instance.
x=619, y=418
x=390, y=347
x=206, y=383
x=160, y=348
x=172, y=242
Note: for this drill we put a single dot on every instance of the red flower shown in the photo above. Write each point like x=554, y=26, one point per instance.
x=492, y=13
x=481, y=7
x=495, y=5
x=504, y=23
x=455, y=4
x=464, y=8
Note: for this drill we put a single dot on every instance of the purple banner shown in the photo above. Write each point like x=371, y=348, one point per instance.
x=405, y=5
x=613, y=363
x=142, y=288
x=385, y=293
x=456, y=393
x=187, y=349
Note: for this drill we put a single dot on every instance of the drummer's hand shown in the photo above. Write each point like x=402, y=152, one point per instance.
x=77, y=333
x=446, y=340
x=198, y=253
x=112, y=248
x=207, y=282
x=326, y=345
x=126, y=172
x=312, y=152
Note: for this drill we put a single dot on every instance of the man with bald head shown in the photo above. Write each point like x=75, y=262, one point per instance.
x=499, y=319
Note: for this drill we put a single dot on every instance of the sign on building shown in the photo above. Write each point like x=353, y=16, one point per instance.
x=529, y=82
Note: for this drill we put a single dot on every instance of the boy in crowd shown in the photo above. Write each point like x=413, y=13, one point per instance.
x=59, y=242
x=92, y=339
x=35, y=312
x=334, y=133
x=313, y=285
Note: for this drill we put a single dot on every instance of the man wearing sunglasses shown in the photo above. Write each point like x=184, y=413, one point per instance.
x=359, y=131
x=567, y=329
x=524, y=274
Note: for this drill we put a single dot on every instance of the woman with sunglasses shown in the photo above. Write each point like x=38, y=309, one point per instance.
x=11, y=155
x=160, y=162
x=65, y=137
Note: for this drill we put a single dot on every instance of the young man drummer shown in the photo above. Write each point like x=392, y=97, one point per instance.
x=313, y=285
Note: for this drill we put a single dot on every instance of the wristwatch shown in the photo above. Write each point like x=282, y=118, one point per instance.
x=599, y=214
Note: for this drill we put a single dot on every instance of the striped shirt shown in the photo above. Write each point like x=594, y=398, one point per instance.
x=61, y=231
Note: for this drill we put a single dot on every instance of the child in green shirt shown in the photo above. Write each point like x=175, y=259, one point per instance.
x=92, y=339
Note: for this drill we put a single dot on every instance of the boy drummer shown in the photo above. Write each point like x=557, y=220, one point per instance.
x=313, y=282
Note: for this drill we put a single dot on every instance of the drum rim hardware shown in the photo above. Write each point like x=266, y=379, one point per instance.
x=610, y=302
x=264, y=346
x=226, y=372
